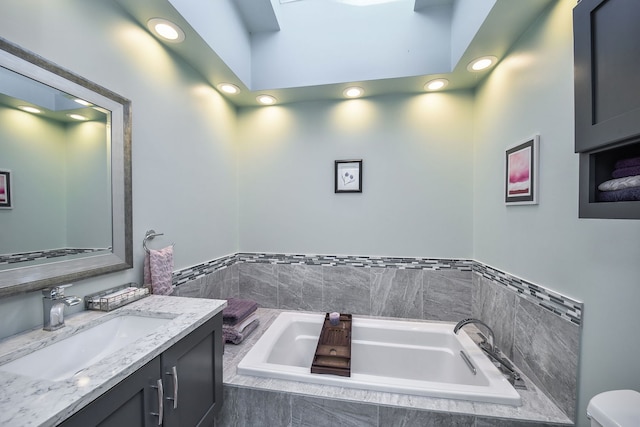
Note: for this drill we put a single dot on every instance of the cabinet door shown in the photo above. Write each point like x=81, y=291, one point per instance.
x=131, y=403
x=607, y=81
x=192, y=374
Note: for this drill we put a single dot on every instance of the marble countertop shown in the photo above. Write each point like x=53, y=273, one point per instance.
x=536, y=406
x=28, y=401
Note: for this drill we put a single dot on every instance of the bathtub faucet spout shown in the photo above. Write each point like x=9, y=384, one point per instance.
x=494, y=353
x=479, y=322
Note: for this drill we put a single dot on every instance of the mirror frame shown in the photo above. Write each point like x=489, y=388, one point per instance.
x=31, y=278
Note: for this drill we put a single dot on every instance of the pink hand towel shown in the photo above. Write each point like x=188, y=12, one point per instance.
x=158, y=270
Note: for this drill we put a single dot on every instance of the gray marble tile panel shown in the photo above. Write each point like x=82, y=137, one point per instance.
x=396, y=293
x=244, y=407
x=546, y=348
x=496, y=306
x=300, y=287
x=314, y=412
x=221, y=284
x=258, y=282
x=191, y=289
x=346, y=289
x=401, y=417
x=447, y=295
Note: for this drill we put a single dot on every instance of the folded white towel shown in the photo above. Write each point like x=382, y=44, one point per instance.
x=242, y=325
x=620, y=183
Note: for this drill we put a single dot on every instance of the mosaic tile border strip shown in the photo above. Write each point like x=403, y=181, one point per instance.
x=562, y=306
x=52, y=253
x=359, y=261
x=558, y=304
x=200, y=270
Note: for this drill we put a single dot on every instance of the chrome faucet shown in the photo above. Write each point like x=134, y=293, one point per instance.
x=487, y=345
x=479, y=322
x=53, y=304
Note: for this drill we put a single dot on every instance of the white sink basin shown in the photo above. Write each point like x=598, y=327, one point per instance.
x=65, y=358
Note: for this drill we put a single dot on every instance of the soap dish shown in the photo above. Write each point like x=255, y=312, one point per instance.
x=117, y=297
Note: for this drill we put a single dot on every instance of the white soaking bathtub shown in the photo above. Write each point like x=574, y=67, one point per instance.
x=418, y=358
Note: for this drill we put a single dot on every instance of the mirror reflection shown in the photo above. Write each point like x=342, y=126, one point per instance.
x=65, y=180
x=55, y=153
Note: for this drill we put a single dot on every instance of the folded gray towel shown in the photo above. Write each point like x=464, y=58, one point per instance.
x=236, y=335
x=624, y=195
x=237, y=310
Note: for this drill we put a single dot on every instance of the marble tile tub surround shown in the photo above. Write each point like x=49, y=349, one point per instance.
x=444, y=283
x=407, y=293
x=537, y=328
x=541, y=343
x=252, y=401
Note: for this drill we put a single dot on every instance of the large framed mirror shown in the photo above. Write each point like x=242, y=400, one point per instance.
x=65, y=175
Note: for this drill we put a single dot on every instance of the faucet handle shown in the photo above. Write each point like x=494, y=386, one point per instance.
x=56, y=292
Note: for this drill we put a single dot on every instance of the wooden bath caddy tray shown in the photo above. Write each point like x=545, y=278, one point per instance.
x=333, y=354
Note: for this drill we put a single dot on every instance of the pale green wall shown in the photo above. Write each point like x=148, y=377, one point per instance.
x=33, y=149
x=594, y=261
x=184, y=152
x=417, y=176
x=89, y=185
x=61, y=188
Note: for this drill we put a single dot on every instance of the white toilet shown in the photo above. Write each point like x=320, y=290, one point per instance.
x=616, y=408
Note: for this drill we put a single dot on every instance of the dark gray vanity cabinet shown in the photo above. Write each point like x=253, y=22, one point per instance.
x=189, y=375
x=607, y=99
x=196, y=362
x=130, y=403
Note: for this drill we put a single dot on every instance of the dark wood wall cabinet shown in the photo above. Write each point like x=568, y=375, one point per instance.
x=607, y=106
x=181, y=387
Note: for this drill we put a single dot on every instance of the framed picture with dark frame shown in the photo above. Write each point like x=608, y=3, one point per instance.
x=521, y=172
x=5, y=189
x=348, y=176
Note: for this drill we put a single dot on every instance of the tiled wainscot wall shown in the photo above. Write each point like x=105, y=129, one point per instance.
x=535, y=327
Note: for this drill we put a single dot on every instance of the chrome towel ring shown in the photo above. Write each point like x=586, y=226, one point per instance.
x=149, y=235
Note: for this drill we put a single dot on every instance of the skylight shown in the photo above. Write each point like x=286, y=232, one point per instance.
x=349, y=2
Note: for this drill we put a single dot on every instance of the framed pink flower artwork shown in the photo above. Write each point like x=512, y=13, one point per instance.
x=521, y=172
x=5, y=190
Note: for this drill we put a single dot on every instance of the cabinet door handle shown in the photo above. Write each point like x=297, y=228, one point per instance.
x=160, y=412
x=174, y=374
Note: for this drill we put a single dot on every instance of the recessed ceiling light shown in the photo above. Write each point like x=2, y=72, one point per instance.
x=229, y=88
x=266, y=99
x=353, y=92
x=29, y=109
x=483, y=63
x=77, y=116
x=436, y=84
x=166, y=30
